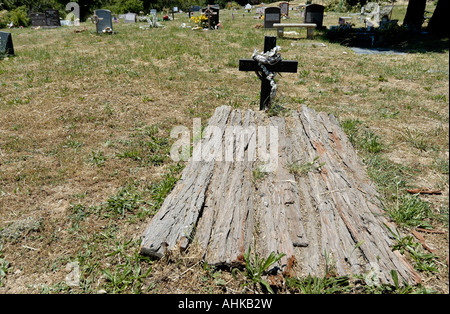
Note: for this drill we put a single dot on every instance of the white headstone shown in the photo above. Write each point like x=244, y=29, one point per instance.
x=130, y=18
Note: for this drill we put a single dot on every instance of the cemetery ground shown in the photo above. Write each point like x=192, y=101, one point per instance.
x=85, y=125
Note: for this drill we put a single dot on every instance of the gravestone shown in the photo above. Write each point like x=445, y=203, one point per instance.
x=130, y=18
x=213, y=12
x=52, y=18
x=38, y=19
x=153, y=18
x=6, y=44
x=334, y=211
x=103, y=21
x=272, y=16
x=314, y=14
x=284, y=7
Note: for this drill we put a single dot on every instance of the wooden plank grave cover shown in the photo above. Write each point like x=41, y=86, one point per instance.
x=130, y=18
x=284, y=7
x=324, y=212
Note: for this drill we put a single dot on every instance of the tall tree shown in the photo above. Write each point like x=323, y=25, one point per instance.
x=414, y=14
x=438, y=23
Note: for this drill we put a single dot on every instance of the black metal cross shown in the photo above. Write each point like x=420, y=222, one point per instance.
x=280, y=67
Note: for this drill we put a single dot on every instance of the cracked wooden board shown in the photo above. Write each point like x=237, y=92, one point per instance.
x=325, y=213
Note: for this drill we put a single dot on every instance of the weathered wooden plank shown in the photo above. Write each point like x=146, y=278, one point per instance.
x=174, y=224
x=352, y=205
x=281, y=220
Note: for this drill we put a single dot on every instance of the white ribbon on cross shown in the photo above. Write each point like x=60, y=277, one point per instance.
x=268, y=58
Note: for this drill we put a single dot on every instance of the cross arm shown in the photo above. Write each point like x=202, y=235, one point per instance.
x=281, y=67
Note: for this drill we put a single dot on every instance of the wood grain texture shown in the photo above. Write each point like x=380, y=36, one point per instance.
x=326, y=216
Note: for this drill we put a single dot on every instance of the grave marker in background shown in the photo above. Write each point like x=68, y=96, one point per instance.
x=6, y=44
x=52, y=18
x=103, y=21
x=48, y=19
x=272, y=16
x=38, y=19
x=314, y=14
x=130, y=18
x=284, y=7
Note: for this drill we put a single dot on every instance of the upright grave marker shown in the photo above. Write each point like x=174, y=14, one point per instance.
x=130, y=18
x=272, y=16
x=74, y=9
x=48, y=19
x=153, y=18
x=284, y=7
x=212, y=14
x=103, y=21
x=52, y=18
x=38, y=19
x=278, y=67
x=314, y=14
x=6, y=44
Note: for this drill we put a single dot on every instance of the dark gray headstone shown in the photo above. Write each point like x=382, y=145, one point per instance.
x=215, y=17
x=195, y=8
x=271, y=16
x=6, y=44
x=130, y=18
x=104, y=20
x=52, y=18
x=314, y=14
x=38, y=19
